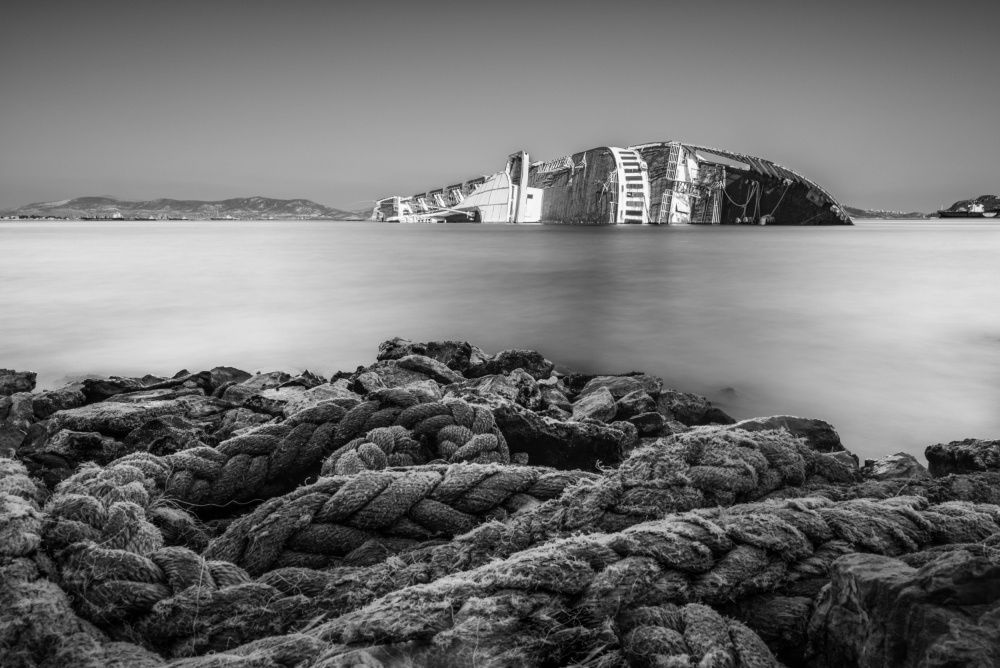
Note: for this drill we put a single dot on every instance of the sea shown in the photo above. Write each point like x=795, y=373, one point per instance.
x=889, y=330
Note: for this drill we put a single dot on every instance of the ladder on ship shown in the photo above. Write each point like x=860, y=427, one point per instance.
x=667, y=199
x=636, y=187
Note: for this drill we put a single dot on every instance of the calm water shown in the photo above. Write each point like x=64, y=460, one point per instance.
x=890, y=331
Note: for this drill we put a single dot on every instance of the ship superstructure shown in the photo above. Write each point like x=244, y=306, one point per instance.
x=662, y=183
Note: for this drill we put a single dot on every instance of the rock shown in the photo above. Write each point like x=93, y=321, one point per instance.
x=12, y=382
x=528, y=391
x=221, y=375
x=553, y=397
x=114, y=418
x=879, y=612
x=458, y=356
x=306, y=379
x=635, y=403
x=690, y=409
x=99, y=389
x=56, y=458
x=619, y=386
x=429, y=367
x=968, y=456
x=820, y=435
x=144, y=396
x=649, y=423
x=597, y=405
x=426, y=390
x=266, y=381
x=238, y=420
x=20, y=414
x=315, y=395
x=894, y=467
x=555, y=413
x=367, y=382
x=518, y=386
x=563, y=445
x=46, y=403
x=5, y=403
x=381, y=375
x=506, y=361
x=10, y=439
x=166, y=435
x=274, y=401
x=844, y=457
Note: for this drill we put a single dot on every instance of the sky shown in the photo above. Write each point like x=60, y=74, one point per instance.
x=888, y=105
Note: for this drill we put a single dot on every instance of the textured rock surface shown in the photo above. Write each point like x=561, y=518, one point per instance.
x=690, y=409
x=880, y=612
x=819, y=434
x=596, y=405
x=899, y=466
x=12, y=382
x=968, y=456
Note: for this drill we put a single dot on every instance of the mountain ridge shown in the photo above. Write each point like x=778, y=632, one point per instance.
x=242, y=208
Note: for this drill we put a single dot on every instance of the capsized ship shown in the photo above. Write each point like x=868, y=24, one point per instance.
x=662, y=183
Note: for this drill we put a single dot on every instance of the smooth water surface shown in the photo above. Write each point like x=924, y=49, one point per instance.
x=888, y=330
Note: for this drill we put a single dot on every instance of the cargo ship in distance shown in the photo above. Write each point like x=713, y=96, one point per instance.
x=661, y=183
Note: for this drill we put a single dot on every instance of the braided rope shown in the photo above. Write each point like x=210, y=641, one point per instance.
x=320, y=524
x=707, y=556
x=179, y=603
x=654, y=481
x=453, y=429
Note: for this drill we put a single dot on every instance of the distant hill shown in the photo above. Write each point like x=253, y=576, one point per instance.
x=988, y=202
x=242, y=208
x=880, y=214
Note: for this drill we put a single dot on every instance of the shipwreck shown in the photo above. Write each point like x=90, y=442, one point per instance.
x=661, y=183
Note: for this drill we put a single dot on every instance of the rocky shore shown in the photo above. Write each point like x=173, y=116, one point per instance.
x=448, y=507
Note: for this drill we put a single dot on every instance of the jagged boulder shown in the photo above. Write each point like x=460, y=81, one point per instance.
x=44, y=404
x=968, y=456
x=313, y=396
x=458, y=356
x=506, y=361
x=114, y=418
x=19, y=412
x=429, y=367
x=649, y=423
x=165, y=435
x=690, y=409
x=620, y=386
x=879, y=612
x=597, y=405
x=554, y=394
x=306, y=379
x=819, y=434
x=99, y=389
x=518, y=386
x=562, y=445
x=894, y=467
x=12, y=382
x=221, y=375
x=635, y=403
x=238, y=420
x=55, y=458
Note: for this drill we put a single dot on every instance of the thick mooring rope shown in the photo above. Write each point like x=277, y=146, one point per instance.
x=708, y=556
x=703, y=468
x=317, y=525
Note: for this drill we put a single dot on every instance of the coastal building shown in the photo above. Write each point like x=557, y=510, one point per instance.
x=662, y=183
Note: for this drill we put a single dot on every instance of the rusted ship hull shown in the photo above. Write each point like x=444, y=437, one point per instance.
x=663, y=183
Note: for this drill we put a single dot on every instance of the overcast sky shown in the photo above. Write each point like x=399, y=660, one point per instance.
x=887, y=104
